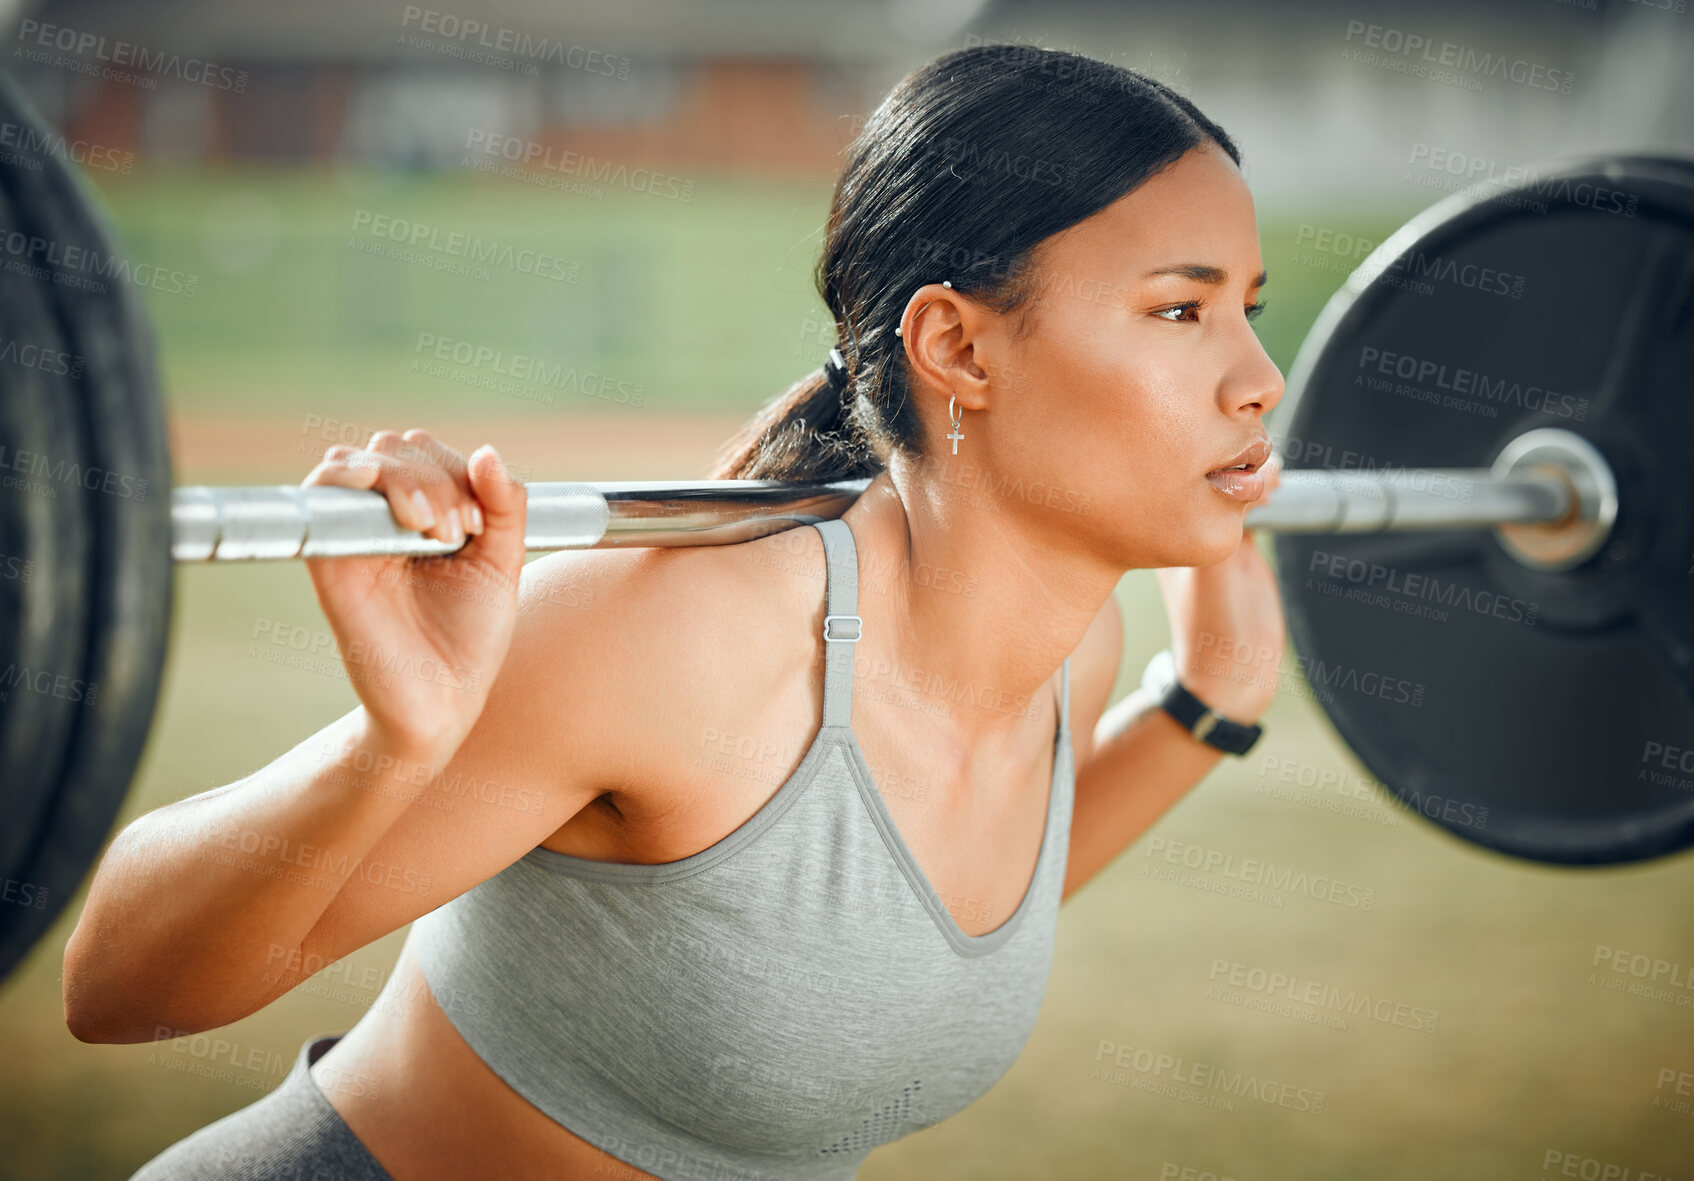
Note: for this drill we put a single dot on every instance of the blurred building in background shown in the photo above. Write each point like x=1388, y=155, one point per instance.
x=1329, y=98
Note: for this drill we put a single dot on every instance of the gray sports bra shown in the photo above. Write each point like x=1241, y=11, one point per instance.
x=774, y=1006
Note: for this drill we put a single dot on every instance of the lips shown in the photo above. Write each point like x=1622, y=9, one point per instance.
x=1239, y=477
x=1249, y=459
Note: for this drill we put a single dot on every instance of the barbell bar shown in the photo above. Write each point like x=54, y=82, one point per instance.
x=1489, y=596
x=223, y=524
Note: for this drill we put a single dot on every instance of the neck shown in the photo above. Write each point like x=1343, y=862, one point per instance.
x=973, y=603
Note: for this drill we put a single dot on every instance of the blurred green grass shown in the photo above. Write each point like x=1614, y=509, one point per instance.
x=700, y=302
x=706, y=305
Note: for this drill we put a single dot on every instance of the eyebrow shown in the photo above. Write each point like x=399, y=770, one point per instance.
x=1203, y=273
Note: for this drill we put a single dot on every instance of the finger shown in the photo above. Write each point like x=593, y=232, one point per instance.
x=503, y=501
x=444, y=492
x=385, y=442
x=336, y=469
x=419, y=466
x=429, y=447
x=418, y=463
x=432, y=450
x=343, y=467
x=414, y=487
x=403, y=461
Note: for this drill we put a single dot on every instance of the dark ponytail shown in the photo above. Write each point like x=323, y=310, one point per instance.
x=968, y=165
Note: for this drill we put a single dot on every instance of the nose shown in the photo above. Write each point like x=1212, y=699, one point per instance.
x=1255, y=384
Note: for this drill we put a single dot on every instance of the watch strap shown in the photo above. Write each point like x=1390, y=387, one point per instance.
x=1202, y=721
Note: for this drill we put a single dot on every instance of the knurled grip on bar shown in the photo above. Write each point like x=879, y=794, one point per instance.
x=233, y=524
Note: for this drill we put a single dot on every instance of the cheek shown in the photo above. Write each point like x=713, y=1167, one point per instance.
x=1132, y=420
x=1160, y=414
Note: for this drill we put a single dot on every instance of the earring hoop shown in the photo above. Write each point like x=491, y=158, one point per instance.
x=954, y=415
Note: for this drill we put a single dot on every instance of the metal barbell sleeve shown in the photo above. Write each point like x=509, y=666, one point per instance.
x=1446, y=498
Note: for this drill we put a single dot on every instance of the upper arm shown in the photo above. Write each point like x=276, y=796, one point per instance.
x=1094, y=670
x=538, y=753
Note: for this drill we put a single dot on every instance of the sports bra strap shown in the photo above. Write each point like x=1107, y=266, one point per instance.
x=841, y=625
x=1065, y=697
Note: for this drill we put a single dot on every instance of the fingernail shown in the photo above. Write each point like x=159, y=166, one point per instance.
x=426, y=515
x=474, y=512
x=455, y=528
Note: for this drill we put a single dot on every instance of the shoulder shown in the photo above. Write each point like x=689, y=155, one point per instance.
x=669, y=600
x=1095, y=665
x=634, y=653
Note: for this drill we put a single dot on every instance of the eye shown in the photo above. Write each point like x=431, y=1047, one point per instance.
x=1192, y=305
x=1253, y=309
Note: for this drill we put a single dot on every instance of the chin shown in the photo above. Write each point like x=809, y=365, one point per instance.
x=1207, y=539
x=1214, y=545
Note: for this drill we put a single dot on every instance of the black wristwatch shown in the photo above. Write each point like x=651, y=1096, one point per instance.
x=1159, y=681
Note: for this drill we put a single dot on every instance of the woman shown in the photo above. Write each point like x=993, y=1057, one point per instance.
x=697, y=892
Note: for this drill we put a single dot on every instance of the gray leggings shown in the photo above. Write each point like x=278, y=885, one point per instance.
x=292, y=1134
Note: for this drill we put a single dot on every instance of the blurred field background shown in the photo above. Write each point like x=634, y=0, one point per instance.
x=295, y=339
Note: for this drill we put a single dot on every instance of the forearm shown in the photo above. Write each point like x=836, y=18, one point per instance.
x=192, y=901
x=1142, y=763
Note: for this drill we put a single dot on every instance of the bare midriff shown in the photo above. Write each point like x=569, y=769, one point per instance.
x=427, y=1107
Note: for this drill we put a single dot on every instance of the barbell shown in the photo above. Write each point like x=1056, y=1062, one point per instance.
x=1482, y=542
x=1568, y=493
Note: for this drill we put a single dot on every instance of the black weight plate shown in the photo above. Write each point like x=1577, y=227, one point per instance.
x=46, y=544
x=122, y=491
x=1545, y=715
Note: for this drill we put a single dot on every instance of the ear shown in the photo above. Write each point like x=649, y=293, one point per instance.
x=942, y=331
